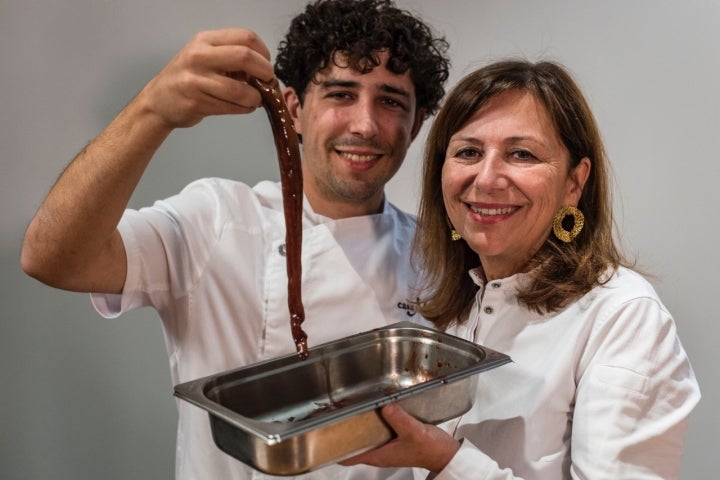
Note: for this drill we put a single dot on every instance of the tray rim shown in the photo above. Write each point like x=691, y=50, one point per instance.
x=271, y=433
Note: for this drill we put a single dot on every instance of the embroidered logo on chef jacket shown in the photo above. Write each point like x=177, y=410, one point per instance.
x=409, y=308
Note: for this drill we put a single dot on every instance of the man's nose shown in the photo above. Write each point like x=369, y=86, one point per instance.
x=363, y=120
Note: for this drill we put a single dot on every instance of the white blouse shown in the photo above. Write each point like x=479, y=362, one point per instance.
x=600, y=390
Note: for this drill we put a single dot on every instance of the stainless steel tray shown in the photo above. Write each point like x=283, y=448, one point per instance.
x=287, y=416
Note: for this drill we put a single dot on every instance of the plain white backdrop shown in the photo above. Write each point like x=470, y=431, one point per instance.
x=87, y=398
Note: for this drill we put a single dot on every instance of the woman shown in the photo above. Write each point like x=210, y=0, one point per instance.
x=516, y=192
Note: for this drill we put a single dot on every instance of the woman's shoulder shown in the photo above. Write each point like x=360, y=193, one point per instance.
x=621, y=287
x=626, y=281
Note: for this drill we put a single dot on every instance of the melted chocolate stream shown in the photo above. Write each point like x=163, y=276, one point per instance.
x=288, y=151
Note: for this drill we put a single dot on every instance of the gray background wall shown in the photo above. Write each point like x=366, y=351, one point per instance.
x=86, y=398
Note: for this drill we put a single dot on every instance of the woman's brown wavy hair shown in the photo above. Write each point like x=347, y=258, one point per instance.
x=561, y=272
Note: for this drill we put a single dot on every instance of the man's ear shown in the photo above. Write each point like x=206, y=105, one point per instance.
x=293, y=103
x=417, y=125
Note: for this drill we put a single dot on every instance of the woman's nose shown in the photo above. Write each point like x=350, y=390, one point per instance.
x=490, y=172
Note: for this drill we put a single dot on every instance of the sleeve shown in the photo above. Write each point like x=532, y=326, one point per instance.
x=471, y=463
x=636, y=389
x=167, y=246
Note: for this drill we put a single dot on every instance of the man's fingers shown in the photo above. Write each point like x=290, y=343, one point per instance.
x=234, y=36
x=228, y=51
x=241, y=61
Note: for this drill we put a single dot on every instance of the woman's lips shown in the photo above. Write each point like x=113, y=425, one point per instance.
x=492, y=211
x=490, y=214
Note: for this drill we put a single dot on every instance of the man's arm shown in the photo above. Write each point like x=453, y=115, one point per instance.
x=72, y=241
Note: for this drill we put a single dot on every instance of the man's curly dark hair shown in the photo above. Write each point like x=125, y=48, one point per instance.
x=359, y=29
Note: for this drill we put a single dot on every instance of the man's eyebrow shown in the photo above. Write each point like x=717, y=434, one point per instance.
x=338, y=83
x=395, y=90
x=334, y=83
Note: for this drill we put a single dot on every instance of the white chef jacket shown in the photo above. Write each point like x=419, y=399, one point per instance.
x=600, y=390
x=211, y=261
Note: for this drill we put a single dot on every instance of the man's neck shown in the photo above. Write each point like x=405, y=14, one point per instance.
x=338, y=209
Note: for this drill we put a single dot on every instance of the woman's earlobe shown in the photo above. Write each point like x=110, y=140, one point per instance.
x=581, y=173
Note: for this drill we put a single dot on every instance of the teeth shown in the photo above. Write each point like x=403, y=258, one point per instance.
x=353, y=157
x=492, y=211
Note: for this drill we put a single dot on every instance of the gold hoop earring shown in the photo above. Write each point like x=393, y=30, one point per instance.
x=454, y=235
x=568, y=236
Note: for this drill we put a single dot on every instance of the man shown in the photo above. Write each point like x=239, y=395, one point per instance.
x=361, y=77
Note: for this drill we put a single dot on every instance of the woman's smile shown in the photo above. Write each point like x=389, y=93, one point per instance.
x=491, y=212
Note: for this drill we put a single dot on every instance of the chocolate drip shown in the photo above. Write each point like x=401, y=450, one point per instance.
x=288, y=151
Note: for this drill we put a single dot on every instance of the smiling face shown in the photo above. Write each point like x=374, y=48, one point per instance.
x=506, y=173
x=356, y=129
